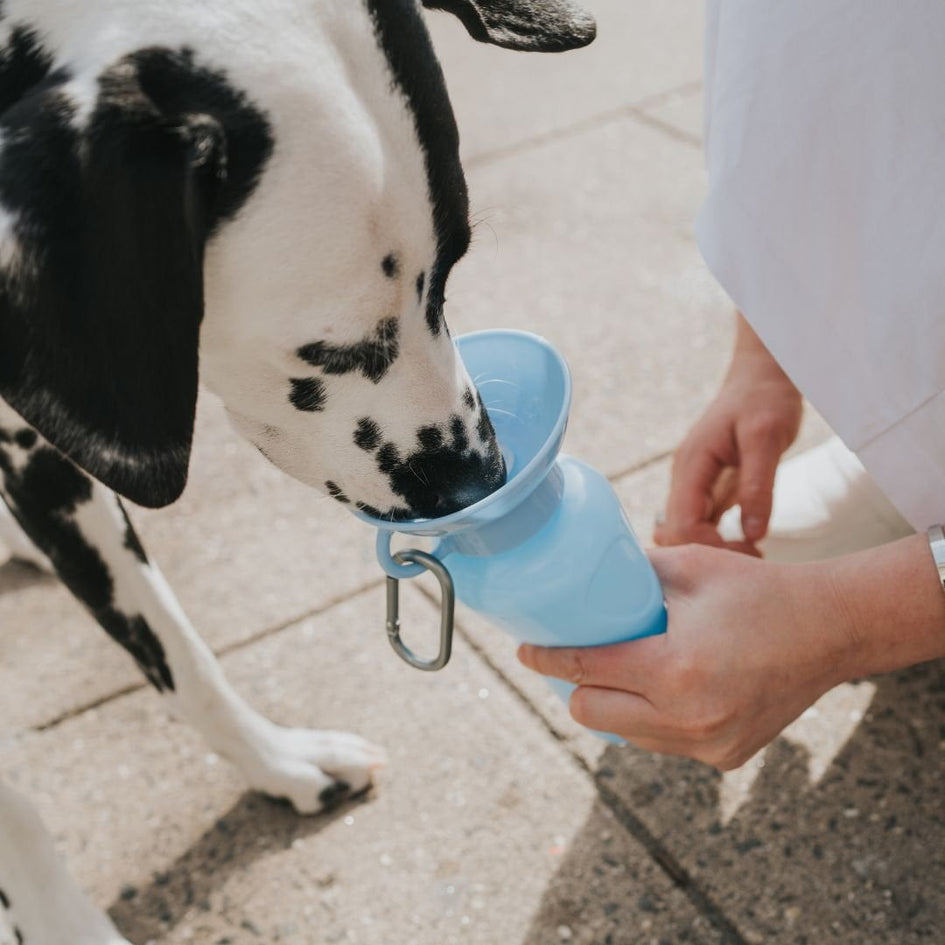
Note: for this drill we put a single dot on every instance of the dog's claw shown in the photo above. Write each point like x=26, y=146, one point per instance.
x=334, y=795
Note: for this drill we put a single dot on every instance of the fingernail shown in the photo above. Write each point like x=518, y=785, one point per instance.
x=754, y=528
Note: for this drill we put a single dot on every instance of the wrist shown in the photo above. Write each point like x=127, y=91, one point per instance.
x=753, y=359
x=886, y=605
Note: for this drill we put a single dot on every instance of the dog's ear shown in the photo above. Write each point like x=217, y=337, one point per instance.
x=530, y=25
x=103, y=222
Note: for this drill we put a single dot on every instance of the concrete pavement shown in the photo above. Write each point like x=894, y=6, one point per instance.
x=498, y=820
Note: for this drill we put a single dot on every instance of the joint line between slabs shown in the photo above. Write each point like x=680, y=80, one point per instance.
x=634, y=110
x=264, y=634
x=682, y=879
x=641, y=466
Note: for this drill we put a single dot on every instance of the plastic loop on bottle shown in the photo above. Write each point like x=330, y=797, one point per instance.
x=392, y=564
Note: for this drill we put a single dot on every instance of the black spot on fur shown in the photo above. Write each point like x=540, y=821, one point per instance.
x=387, y=458
x=468, y=400
x=4, y=900
x=405, y=42
x=54, y=484
x=132, y=543
x=308, y=394
x=367, y=435
x=391, y=266
x=372, y=357
x=19, y=935
x=334, y=490
x=458, y=431
x=395, y=514
x=24, y=63
x=431, y=438
x=421, y=282
x=434, y=314
x=137, y=637
x=25, y=439
x=485, y=429
x=43, y=497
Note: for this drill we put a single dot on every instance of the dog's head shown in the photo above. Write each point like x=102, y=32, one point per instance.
x=276, y=196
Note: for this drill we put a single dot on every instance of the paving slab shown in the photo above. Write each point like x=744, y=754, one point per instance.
x=505, y=99
x=465, y=828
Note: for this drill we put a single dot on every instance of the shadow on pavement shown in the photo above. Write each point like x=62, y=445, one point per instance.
x=853, y=857
x=253, y=828
x=16, y=576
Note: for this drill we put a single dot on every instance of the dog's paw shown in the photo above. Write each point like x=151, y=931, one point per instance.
x=313, y=771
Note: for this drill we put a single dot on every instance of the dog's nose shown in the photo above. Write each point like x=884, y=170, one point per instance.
x=463, y=495
x=435, y=489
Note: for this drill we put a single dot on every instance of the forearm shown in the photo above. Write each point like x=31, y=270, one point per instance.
x=890, y=605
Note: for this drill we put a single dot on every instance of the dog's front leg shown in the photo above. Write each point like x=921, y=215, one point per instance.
x=40, y=904
x=82, y=528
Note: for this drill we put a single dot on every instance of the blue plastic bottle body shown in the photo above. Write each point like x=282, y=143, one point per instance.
x=582, y=580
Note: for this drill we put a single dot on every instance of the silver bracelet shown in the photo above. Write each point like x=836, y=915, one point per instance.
x=937, y=544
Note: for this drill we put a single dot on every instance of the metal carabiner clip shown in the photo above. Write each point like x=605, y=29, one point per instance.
x=447, y=608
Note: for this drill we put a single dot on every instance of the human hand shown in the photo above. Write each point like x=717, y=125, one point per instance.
x=749, y=646
x=731, y=454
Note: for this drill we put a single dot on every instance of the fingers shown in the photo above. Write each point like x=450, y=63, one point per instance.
x=632, y=717
x=760, y=454
x=622, y=665
x=704, y=485
x=691, y=504
x=724, y=493
x=623, y=713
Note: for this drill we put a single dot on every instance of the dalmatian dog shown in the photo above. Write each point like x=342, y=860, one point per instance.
x=265, y=195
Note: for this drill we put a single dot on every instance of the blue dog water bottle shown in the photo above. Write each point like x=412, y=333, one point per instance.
x=550, y=556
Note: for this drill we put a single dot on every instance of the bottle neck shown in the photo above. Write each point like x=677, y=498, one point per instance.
x=516, y=526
